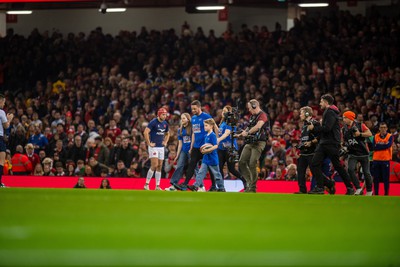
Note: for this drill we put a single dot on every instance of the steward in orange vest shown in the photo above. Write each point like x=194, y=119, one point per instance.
x=382, y=145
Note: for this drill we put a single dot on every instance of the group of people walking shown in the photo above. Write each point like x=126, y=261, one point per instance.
x=202, y=140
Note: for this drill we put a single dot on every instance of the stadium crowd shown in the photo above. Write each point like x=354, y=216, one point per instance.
x=82, y=102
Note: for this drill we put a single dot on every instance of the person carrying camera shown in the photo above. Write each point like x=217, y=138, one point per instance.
x=227, y=147
x=307, y=145
x=255, y=138
x=354, y=134
x=328, y=146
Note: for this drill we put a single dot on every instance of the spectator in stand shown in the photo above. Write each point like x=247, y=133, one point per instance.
x=48, y=167
x=121, y=170
x=134, y=170
x=100, y=152
x=38, y=171
x=7, y=170
x=70, y=168
x=80, y=167
x=21, y=163
x=96, y=166
x=60, y=152
x=38, y=140
x=32, y=156
x=113, y=131
x=114, y=151
x=59, y=169
x=125, y=153
x=382, y=144
x=291, y=173
x=77, y=151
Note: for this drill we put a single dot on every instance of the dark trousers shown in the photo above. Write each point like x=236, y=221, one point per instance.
x=381, y=172
x=224, y=158
x=352, y=164
x=331, y=151
x=302, y=163
x=195, y=157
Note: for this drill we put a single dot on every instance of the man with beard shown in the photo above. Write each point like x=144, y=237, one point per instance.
x=328, y=146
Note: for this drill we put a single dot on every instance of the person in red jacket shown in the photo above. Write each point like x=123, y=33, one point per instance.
x=20, y=162
x=32, y=156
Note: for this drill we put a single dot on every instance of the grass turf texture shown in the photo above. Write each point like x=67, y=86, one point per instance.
x=66, y=227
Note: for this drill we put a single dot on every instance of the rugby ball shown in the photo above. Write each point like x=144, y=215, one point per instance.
x=205, y=147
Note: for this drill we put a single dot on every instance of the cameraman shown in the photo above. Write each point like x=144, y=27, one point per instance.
x=227, y=148
x=308, y=143
x=328, y=146
x=255, y=138
x=354, y=134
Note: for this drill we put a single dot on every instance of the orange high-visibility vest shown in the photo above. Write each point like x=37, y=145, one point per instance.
x=382, y=155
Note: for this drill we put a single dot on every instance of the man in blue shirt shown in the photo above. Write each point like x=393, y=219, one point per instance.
x=156, y=135
x=198, y=135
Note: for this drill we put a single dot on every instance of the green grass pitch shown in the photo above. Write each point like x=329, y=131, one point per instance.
x=67, y=227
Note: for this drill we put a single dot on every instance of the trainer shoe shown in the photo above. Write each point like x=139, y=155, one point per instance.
x=221, y=190
x=146, y=187
x=171, y=188
x=182, y=187
x=192, y=188
x=212, y=189
x=201, y=189
x=350, y=191
x=369, y=193
x=2, y=185
x=359, y=192
x=317, y=191
x=158, y=188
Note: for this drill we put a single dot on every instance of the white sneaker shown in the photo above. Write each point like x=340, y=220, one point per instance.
x=2, y=185
x=171, y=188
x=146, y=187
x=369, y=193
x=358, y=192
x=158, y=188
x=201, y=189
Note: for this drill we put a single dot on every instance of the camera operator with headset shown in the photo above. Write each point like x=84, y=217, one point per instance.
x=255, y=138
x=227, y=145
x=354, y=134
x=307, y=145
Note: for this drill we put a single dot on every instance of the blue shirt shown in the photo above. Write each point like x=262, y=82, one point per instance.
x=198, y=128
x=211, y=159
x=157, y=131
x=185, y=138
x=224, y=144
x=39, y=140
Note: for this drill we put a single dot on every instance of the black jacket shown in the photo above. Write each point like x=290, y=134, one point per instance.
x=329, y=131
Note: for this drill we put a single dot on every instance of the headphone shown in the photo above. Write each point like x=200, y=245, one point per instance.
x=253, y=104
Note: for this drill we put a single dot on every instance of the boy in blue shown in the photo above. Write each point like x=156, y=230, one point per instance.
x=210, y=160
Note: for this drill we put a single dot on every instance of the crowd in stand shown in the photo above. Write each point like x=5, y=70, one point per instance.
x=81, y=102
